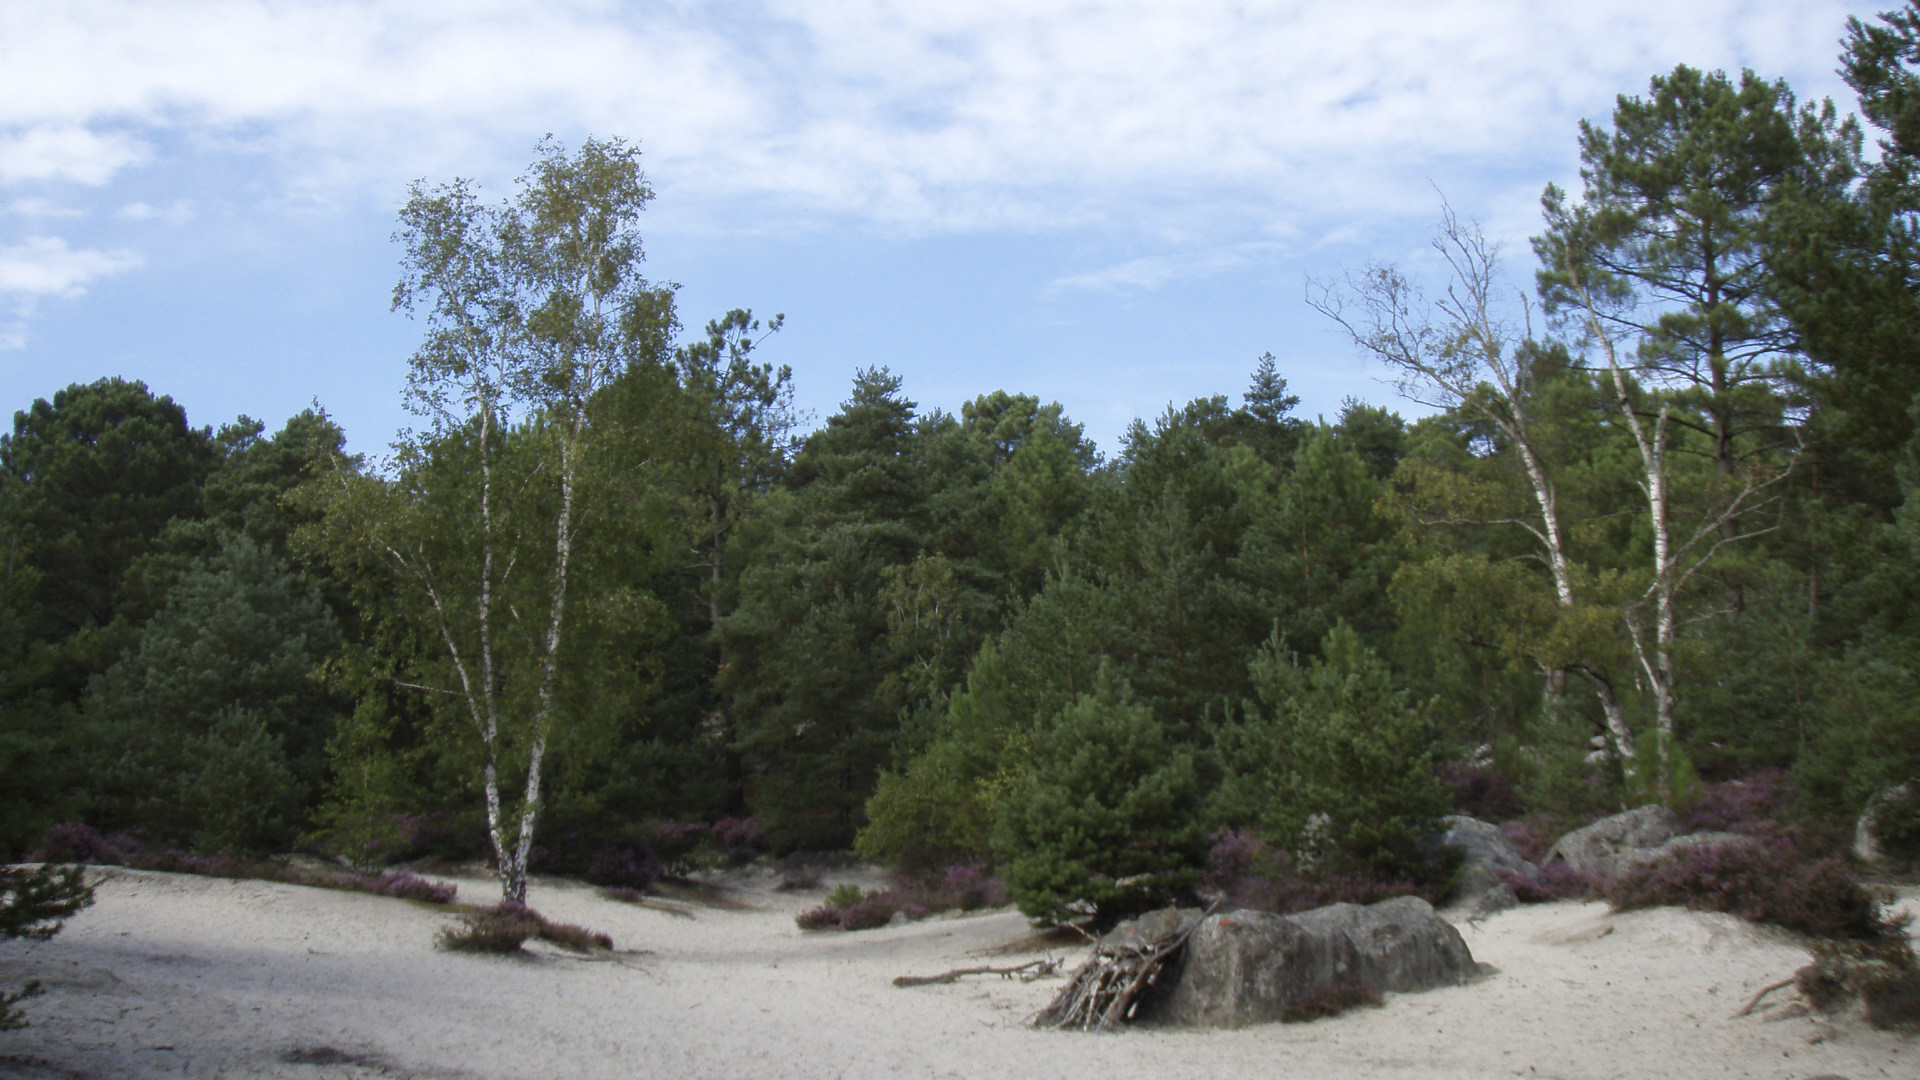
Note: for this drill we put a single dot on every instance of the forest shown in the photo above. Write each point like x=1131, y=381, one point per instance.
x=609, y=612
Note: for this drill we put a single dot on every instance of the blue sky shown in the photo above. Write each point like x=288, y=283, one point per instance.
x=1111, y=205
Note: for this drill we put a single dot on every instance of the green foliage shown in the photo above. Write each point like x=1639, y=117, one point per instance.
x=931, y=814
x=1104, y=821
x=1335, y=763
x=1666, y=776
x=34, y=903
x=88, y=483
x=212, y=729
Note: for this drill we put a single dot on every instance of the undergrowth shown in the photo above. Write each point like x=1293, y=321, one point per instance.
x=504, y=927
x=964, y=887
x=83, y=844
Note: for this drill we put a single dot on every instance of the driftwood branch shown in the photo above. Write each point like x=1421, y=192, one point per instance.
x=1027, y=972
x=1754, y=1002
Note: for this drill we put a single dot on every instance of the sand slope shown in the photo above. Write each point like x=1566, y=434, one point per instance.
x=182, y=976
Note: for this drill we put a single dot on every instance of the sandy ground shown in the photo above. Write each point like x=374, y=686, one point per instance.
x=170, y=976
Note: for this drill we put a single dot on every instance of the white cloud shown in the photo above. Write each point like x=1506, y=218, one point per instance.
x=988, y=114
x=177, y=212
x=44, y=266
x=43, y=152
x=1152, y=271
x=42, y=208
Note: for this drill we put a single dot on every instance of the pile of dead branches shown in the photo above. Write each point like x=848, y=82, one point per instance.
x=1106, y=990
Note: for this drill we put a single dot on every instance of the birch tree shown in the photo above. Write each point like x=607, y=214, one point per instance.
x=1463, y=352
x=532, y=307
x=1722, y=513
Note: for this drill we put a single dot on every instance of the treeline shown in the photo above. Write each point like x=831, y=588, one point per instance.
x=1657, y=534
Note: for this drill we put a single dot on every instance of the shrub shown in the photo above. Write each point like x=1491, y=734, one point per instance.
x=78, y=843
x=629, y=866
x=506, y=926
x=1336, y=765
x=1105, y=819
x=1749, y=804
x=1765, y=880
x=1535, y=834
x=1484, y=790
x=82, y=843
x=1331, y=1001
x=399, y=883
x=1896, y=821
x=847, y=908
x=739, y=836
x=1245, y=870
x=964, y=887
x=969, y=887
x=34, y=904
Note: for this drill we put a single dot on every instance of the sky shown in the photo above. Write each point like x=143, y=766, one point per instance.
x=1113, y=205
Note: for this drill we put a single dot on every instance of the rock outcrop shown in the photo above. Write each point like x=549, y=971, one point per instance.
x=1249, y=967
x=1600, y=848
x=1488, y=857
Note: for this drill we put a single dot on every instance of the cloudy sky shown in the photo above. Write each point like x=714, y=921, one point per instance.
x=1114, y=205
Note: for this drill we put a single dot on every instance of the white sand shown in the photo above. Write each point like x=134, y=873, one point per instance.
x=183, y=976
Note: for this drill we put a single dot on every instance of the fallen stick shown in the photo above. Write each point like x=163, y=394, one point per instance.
x=1764, y=991
x=1037, y=966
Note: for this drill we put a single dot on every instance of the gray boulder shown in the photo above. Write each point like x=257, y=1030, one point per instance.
x=1599, y=848
x=1250, y=967
x=1152, y=929
x=1488, y=858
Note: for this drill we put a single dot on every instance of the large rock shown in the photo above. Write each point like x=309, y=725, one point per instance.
x=1249, y=967
x=1599, y=848
x=1488, y=857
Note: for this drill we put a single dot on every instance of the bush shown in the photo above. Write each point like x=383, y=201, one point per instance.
x=1336, y=765
x=83, y=844
x=506, y=926
x=1484, y=790
x=965, y=887
x=34, y=904
x=1896, y=821
x=1105, y=820
x=1750, y=804
x=847, y=908
x=405, y=886
x=1245, y=870
x=629, y=866
x=1535, y=834
x=1766, y=880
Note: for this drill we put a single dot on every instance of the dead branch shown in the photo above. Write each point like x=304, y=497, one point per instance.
x=1027, y=972
x=1764, y=991
x=1106, y=989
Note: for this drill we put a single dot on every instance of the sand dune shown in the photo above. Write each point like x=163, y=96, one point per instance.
x=172, y=976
